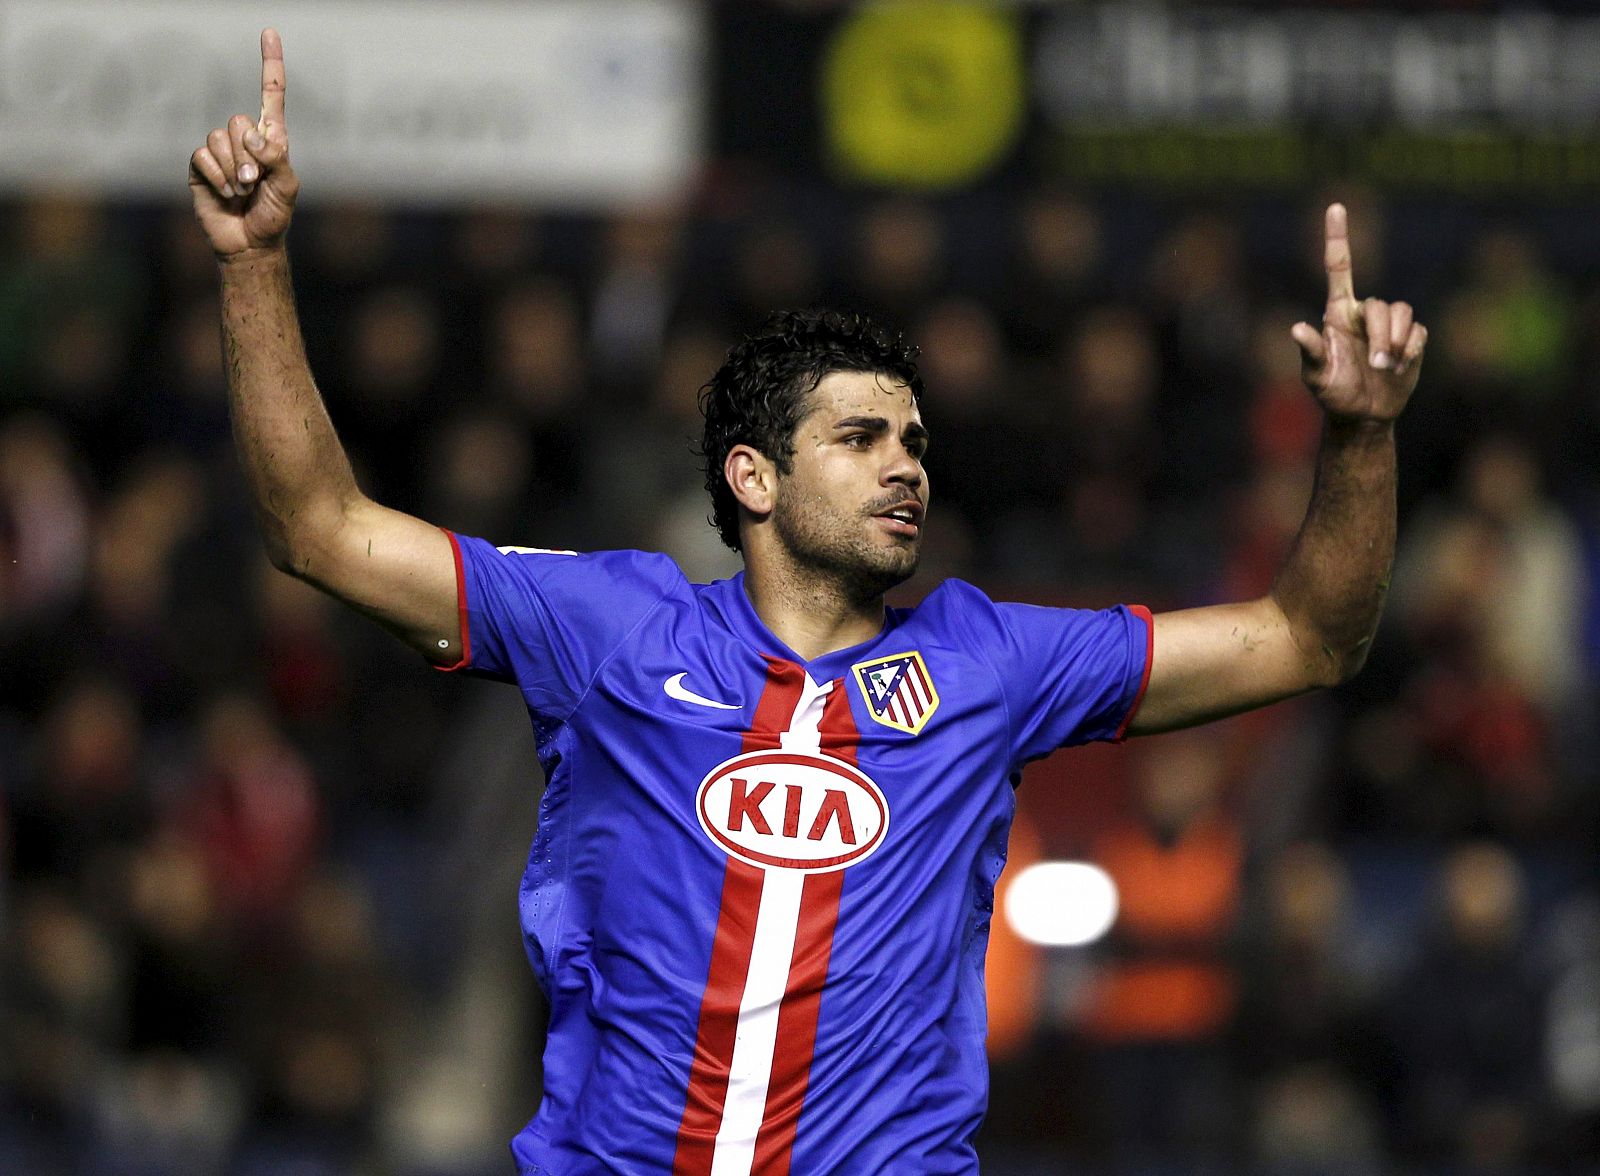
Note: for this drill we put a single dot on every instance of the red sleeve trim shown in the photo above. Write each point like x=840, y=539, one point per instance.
x=461, y=607
x=1143, y=614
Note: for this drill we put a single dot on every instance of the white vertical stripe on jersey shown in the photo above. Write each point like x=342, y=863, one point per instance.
x=771, y=953
x=918, y=689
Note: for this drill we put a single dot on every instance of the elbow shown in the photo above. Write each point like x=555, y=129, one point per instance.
x=1350, y=666
x=1357, y=658
x=297, y=544
x=1335, y=664
x=1330, y=654
x=289, y=553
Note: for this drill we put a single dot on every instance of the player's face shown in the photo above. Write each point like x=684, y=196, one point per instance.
x=853, y=506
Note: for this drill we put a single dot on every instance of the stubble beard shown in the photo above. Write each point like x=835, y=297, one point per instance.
x=836, y=549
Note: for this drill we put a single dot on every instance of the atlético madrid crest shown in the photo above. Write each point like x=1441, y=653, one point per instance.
x=899, y=691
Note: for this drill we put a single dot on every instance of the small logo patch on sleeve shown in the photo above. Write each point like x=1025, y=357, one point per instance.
x=899, y=691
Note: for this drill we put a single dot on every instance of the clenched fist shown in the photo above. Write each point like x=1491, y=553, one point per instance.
x=241, y=181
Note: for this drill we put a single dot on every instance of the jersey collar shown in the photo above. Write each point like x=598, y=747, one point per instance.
x=731, y=603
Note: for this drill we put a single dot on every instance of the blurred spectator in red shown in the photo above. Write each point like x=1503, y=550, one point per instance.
x=250, y=807
x=1167, y=988
x=306, y=676
x=1491, y=588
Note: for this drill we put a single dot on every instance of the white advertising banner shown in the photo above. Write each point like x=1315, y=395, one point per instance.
x=565, y=102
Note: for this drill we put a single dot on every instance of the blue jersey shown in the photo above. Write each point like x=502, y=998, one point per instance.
x=759, y=895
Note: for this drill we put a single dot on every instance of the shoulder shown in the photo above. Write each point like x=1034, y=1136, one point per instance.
x=960, y=606
x=953, y=602
x=597, y=579
x=962, y=612
x=650, y=567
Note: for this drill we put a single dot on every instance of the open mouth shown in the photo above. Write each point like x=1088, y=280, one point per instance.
x=904, y=519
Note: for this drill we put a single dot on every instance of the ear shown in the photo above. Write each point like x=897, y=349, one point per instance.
x=753, y=479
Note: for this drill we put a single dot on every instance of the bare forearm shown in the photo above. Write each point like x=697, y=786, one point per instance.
x=298, y=471
x=1332, y=586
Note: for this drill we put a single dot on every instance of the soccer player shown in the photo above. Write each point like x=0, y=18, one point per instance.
x=759, y=894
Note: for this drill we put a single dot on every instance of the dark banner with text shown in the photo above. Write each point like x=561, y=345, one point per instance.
x=940, y=94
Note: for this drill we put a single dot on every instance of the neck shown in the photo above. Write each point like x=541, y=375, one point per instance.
x=811, y=616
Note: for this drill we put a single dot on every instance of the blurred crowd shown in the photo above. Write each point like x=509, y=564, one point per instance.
x=259, y=863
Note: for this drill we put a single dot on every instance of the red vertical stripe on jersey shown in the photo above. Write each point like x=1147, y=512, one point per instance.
x=775, y=710
x=719, y=1018
x=838, y=727
x=730, y=952
x=808, y=971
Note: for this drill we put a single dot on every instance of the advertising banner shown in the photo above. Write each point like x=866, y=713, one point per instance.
x=569, y=102
x=942, y=94
x=1433, y=99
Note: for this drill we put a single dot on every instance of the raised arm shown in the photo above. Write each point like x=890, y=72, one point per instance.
x=317, y=523
x=1314, y=628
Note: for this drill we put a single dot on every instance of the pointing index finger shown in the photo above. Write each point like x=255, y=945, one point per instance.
x=272, y=79
x=1336, y=255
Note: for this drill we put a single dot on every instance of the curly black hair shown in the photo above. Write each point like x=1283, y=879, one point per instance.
x=763, y=389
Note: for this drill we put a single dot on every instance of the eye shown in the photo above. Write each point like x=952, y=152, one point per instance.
x=858, y=440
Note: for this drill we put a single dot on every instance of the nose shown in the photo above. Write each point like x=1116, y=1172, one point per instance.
x=902, y=468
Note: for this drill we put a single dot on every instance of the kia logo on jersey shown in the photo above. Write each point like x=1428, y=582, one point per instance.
x=792, y=810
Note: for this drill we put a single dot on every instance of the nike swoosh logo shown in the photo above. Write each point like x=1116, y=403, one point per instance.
x=676, y=689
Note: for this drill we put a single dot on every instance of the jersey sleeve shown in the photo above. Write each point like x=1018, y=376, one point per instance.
x=548, y=620
x=1069, y=676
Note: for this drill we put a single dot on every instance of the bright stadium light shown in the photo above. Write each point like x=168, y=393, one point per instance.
x=1061, y=904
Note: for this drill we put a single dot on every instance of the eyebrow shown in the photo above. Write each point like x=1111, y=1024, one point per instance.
x=915, y=431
